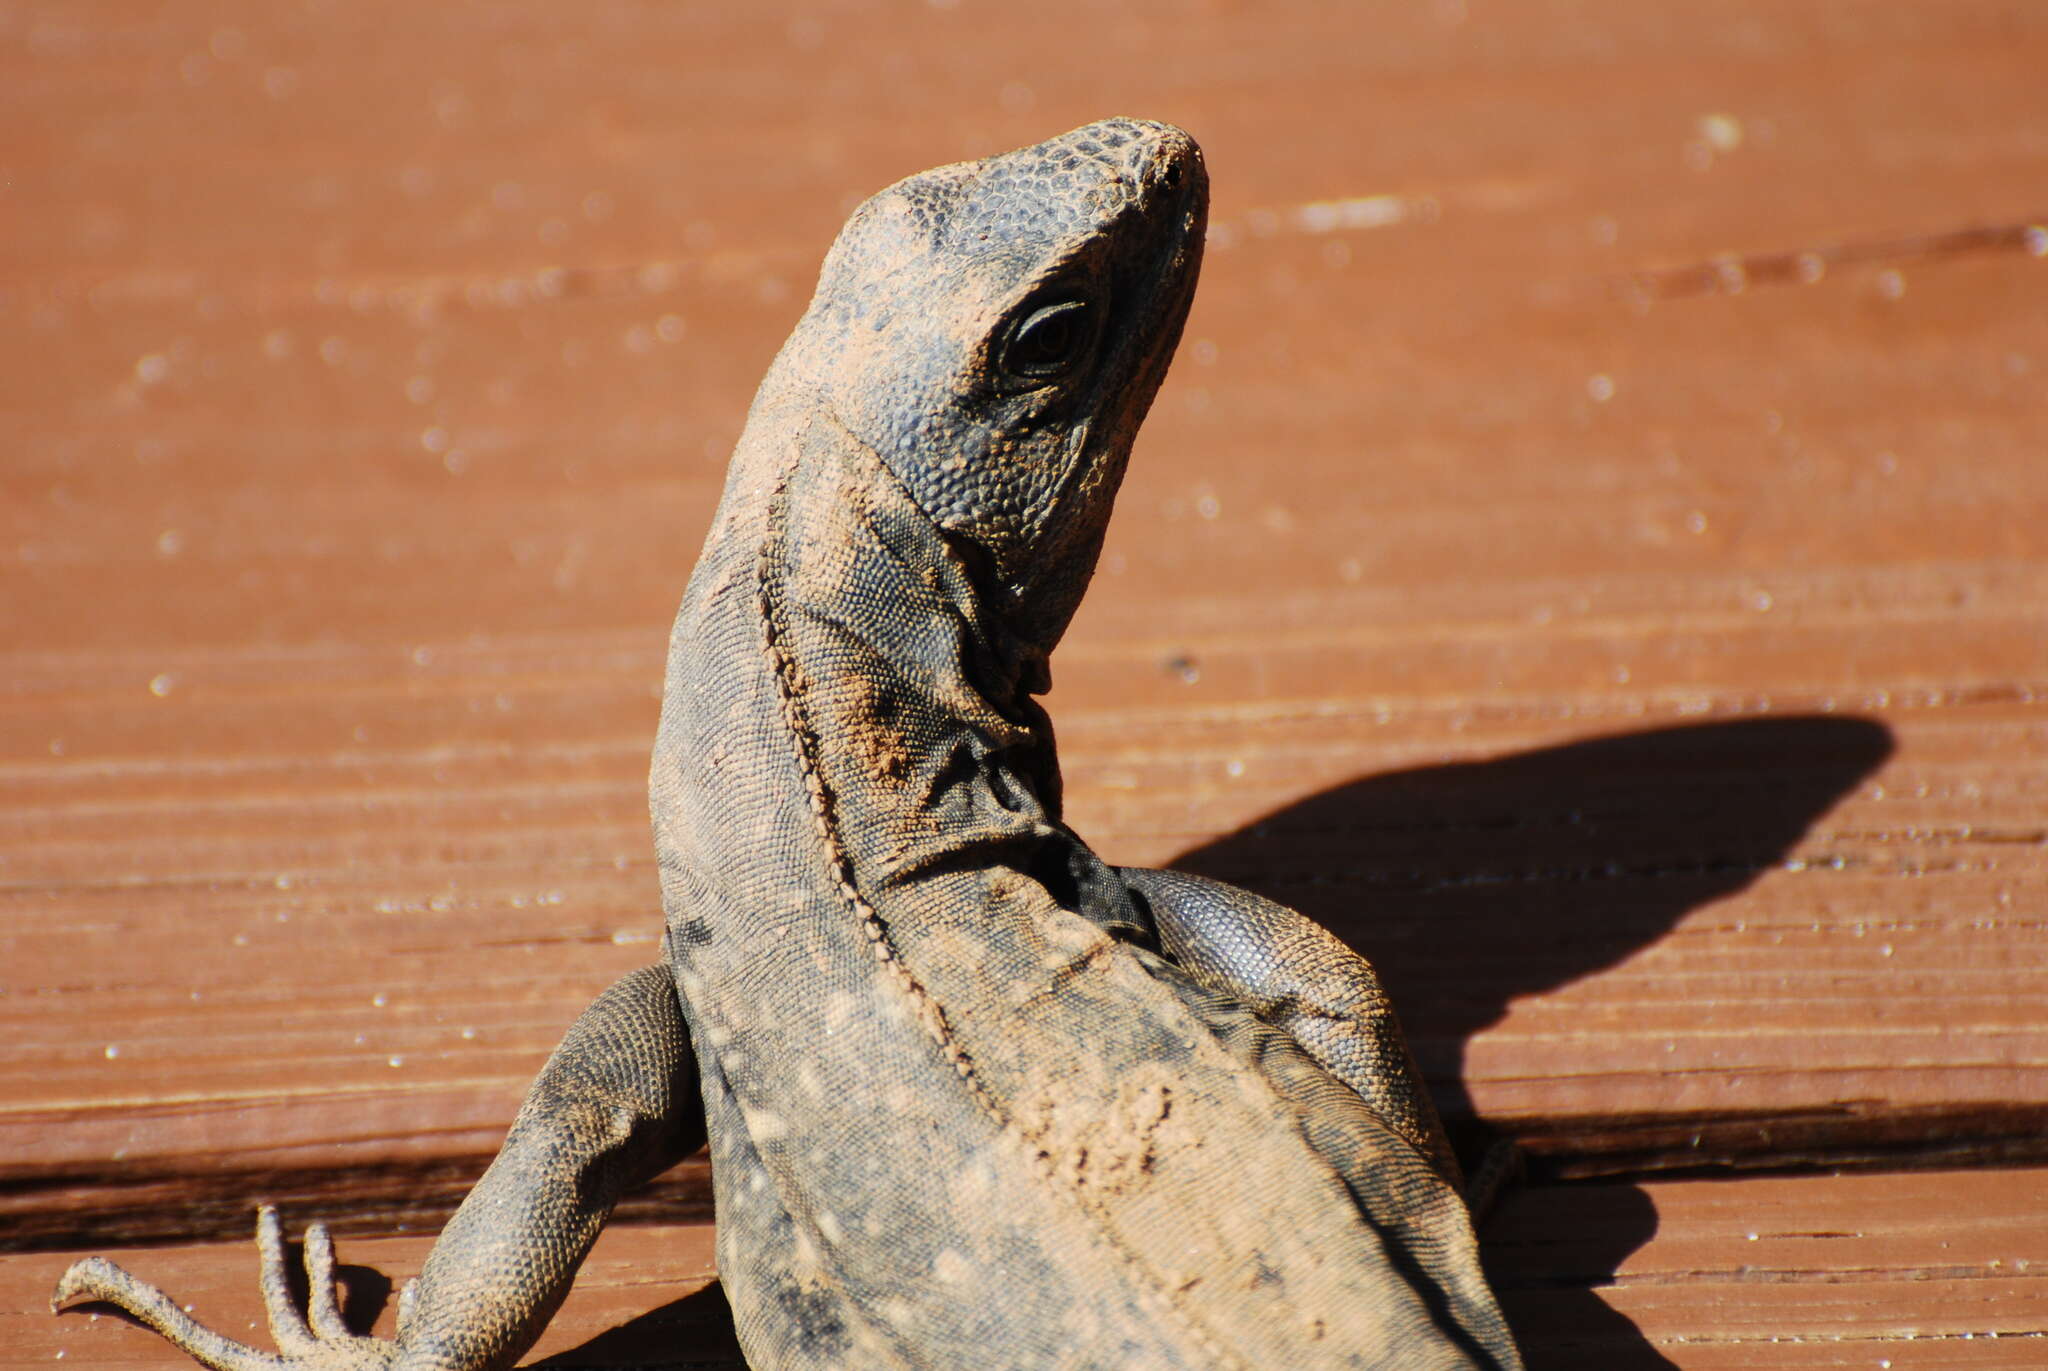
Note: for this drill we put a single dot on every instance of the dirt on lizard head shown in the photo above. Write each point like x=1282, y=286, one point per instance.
x=994, y=333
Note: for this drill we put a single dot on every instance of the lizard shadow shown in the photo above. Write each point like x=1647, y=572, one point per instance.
x=365, y=1291
x=694, y=1331
x=1472, y=884
x=1469, y=885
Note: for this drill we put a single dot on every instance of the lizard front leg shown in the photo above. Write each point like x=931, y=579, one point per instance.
x=1300, y=978
x=616, y=1103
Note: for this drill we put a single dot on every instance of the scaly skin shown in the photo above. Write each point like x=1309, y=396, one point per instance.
x=974, y=1098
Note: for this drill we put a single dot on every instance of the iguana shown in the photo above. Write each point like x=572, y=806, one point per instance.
x=974, y=1098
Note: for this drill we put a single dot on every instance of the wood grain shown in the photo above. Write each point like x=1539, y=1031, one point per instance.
x=1590, y=551
x=1943, y=1269
x=1920, y=1269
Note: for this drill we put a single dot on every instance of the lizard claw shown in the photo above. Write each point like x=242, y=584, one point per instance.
x=323, y=1345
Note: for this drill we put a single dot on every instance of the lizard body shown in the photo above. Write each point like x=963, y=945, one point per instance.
x=973, y=1097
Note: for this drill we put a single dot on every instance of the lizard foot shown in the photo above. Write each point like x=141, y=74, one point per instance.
x=323, y=1344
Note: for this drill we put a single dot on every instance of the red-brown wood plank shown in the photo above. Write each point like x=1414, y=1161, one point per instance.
x=1912, y=1270
x=1589, y=551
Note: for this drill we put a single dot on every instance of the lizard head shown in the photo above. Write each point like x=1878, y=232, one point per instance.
x=995, y=331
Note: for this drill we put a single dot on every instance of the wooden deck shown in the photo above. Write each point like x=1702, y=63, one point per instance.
x=1590, y=553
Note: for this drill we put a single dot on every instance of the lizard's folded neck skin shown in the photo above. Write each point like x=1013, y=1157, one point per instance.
x=912, y=698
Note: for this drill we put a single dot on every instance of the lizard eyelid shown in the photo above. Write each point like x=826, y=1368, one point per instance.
x=1050, y=340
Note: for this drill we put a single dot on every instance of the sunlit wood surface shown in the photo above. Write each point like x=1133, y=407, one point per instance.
x=1589, y=553
x=1941, y=1269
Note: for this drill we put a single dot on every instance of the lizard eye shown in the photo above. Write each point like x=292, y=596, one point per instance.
x=1050, y=341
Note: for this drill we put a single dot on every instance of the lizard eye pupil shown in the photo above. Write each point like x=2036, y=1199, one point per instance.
x=1049, y=341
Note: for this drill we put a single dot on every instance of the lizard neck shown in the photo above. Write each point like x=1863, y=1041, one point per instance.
x=907, y=690
x=834, y=662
